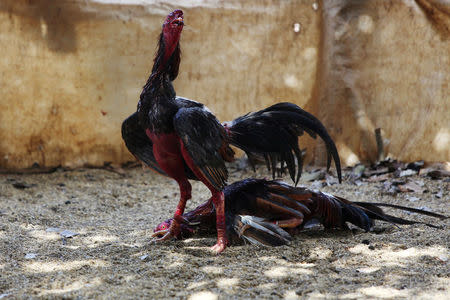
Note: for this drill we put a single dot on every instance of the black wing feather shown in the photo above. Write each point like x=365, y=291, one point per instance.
x=203, y=136
x=138, y=142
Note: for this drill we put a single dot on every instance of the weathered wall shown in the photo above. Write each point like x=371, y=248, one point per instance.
x=72, y=70
x=387, y=64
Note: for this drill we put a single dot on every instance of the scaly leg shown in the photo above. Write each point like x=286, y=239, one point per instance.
x=218, y=199
x=174, y=229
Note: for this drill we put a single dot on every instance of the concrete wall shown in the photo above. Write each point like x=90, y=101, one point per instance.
x=71, y=71
x=387, y=64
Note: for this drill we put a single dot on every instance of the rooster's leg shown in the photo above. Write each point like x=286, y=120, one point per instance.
x=174, y=229
x=218, y=199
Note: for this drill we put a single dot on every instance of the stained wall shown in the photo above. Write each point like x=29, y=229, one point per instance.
x=71, y=71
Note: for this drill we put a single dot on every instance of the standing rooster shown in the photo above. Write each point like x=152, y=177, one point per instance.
x=182, y=139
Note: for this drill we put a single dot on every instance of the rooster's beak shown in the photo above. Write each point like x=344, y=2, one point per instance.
x=180, y=20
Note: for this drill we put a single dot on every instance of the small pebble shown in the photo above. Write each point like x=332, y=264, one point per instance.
x=144, y=257
x=30, y=256
x=68, y=233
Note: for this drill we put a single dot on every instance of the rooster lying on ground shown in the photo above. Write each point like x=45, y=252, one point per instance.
x=182, y=139
x=267, y=212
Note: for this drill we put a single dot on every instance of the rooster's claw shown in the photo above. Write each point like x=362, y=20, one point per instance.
x=162, y=235
x=172, y=232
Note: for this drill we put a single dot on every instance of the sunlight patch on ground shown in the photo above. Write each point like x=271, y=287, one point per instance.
x=101, y=239
x=388, y=256
x=175, y=264
x=383, y=292
x=227, y=282
x=267, y=258
x=197, y=248
x=205, y=295
x=195, y=285
x=44, y=235
x=320, y=253
x=440, y=289
x=47, y=267
x=141, y=233
x=267, y=286
x=290, y=295
x=212, y=270
x=277, y=272
x=368, y=270
x=74, y=286
x=191, y=240
x=318, y=295
x=351, y=296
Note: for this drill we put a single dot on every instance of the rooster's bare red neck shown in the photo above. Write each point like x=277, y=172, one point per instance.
x=167, y=59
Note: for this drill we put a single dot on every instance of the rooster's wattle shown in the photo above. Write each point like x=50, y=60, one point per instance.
x=182, y=139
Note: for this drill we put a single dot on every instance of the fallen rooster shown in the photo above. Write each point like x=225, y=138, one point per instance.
x=269, y=212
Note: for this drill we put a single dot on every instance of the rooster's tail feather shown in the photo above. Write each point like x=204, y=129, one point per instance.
x=272, y=134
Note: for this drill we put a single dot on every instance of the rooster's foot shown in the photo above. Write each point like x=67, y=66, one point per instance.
x=219, y=246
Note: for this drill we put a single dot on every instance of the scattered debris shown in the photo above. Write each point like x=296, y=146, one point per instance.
x=357, y=172
x=316, y=175
x=68, y=234
x=389, y=188
x=443, y=258
x=413, y=186
x=379, y=178
x=144, y=257
x=64, y=233
x=407, y=172
x=359, y=182
x=391, y=172
x=369, y=173
x=439, y=194
x=23, y=185
x=317, y=185
x=435, y=173
x=331, y=180
x=416, y=166
x=30, y=256
x=412, y=198
x=53, y=229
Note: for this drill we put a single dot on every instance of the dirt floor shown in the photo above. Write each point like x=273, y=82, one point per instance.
x=112, y=257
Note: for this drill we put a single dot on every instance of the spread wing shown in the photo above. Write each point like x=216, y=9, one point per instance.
x=205, y=141
x=141, y=146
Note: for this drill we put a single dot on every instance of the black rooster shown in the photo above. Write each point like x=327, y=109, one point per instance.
x=268, y=212
x=182, y=139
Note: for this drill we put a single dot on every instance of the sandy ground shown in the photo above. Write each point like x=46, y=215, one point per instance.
x=112, y=256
